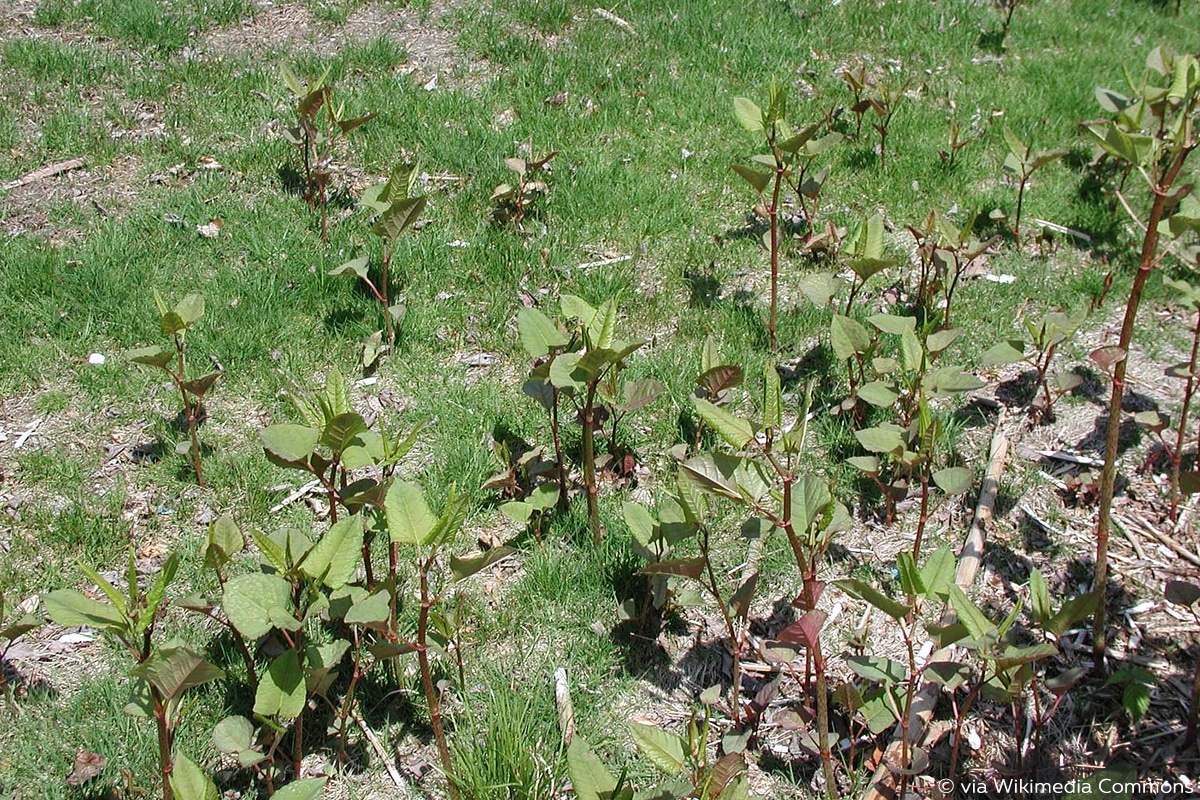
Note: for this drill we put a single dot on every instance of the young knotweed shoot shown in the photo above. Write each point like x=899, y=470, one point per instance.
x=162, y=672
x=1020, y=163
x=885, y=99
x=298, y=582
x=788, y=163
x=925, y=588
x=332, y=445
x=394, y=209
x=944, y=251
x=410, y=522
x=909, y=447
x=175, y=323
x=955, y=142
x=515, y=202
x=763, y=475
x=1045, y=337
x=320, y=125
x=582, y=367
x=1154, y=132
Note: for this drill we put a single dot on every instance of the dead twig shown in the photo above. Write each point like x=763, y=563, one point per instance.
x=392, y=772
x=47, y=171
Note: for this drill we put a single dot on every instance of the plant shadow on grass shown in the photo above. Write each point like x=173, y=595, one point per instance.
x=992, y=42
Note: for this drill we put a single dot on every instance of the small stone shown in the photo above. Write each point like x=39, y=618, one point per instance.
x=96, y=359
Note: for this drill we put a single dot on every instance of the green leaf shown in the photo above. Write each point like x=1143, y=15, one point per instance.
x=880, y=440
x=937, y=342
x=848, y=337
x=343, y=431
x=878, y=394
x=748, y=115
x=448, y=523
x=249, y=600
x=1006, y=352
x=539, y=336
x=463, y=568
x=373, y=611
x=978, y=626
x=174, y=670
x=590, y=779
x=574, y=307
x=335, y=557
x=160, y=357
x=1015, y=145
x=1039, y=597
x=70, y=608
x=190, y=308
x=281, y=690
x=893, y=324
x=938, y=572
x=810, y=497
x=518, y=511
x=290, y=443
x=758, y=179
x=878, y=669
x=713, y=473
x=189, y=782
x=603, y=327
x=399, y=216
x=734, y=430
x=641, y=523
x=357, y=266
x=910, y=578
x=233, y=734
x=409, y=519
x=1071, y=612
x=224, y=540
x=304, y=789
x=665, y=750
x=953, y=480
x=1013, y=656
x=565, y=373
x=868, y=464
x=862, y=590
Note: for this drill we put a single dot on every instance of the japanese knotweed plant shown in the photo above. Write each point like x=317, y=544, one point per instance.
x=579, y=359
x=1045, y=337
x=788, y=163
x=394, y=209
x=1020, y=163
x=1005, y=671
x=882, y=95
x=944, y=250
x=351, y=463
x=888, y=687
x=763, y=476
x=411, y=523
x=683, y=759
x=1153, y=131
x=908, y=448
x=515, y=202
x=162, y=671
x=298, y=581
x=175, y=323
x=320, y=124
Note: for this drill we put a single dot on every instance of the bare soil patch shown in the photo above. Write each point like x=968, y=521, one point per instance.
x=432, y=50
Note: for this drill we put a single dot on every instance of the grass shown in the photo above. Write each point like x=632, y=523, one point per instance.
x=647, y=136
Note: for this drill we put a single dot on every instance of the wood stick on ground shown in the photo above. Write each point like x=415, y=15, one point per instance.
x=883, y=782
x=1170, y=542
x=392, y=772
x=45, y=172
x=1133, y=540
